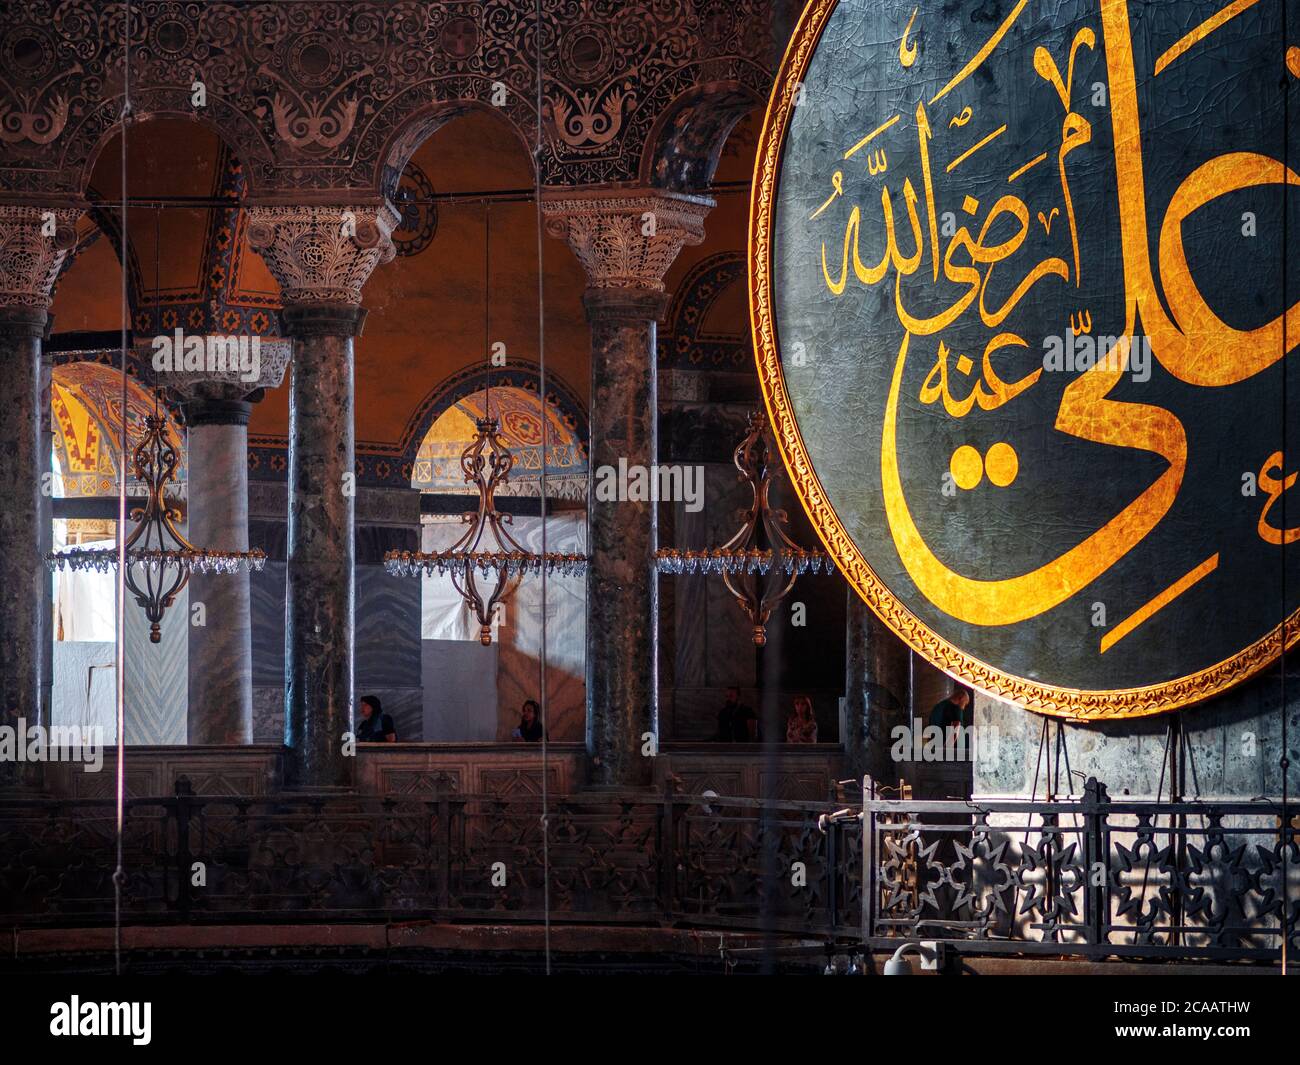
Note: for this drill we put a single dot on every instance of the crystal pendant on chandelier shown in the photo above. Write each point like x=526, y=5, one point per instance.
x=159, y=557
x=760, y=563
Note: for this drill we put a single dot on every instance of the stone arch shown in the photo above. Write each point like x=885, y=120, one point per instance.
x=681, y=149
x=516, y=373
x=684, y=343
x=108, y=224
x=232, y=127
x=415, y=127
x=203, y=297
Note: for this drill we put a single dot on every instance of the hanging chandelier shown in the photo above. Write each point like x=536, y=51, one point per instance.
x=487, y=563
x=159, y=557
x=760, y=563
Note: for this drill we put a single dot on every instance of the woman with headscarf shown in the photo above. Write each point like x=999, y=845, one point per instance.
x=376, y=726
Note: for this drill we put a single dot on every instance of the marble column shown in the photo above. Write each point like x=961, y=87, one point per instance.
x=626, y=242
x=217, y=409
x=33, y=245
x=876, y=692
x=46, y=523
x=321, y=256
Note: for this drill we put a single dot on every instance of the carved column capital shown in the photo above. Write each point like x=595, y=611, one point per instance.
x=34, y=241
x=228, y=373
x=322, y=254
x=627, y=240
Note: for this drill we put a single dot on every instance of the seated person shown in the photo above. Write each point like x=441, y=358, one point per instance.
x=376, y=726
x=530, y=722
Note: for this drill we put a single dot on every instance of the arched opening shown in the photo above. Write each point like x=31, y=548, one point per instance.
x=187, y=267
x=86, y=420
x=708, y=385
x=545, y=441
x=458, y=305
x=686, y=143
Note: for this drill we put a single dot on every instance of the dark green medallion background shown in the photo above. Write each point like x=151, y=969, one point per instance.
x=838, y=354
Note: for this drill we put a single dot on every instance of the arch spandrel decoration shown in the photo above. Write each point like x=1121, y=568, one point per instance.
x=518, y=383
x=1070, y=535
x=437, y=466
x=322, y=96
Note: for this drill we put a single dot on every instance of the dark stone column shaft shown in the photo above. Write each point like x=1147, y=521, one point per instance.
x=320, y=594
x=621, y=581
x=23, y=626
x=876, y=693
x=45, y=502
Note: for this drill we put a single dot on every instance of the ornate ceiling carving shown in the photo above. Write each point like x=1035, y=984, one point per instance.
x=334, y=96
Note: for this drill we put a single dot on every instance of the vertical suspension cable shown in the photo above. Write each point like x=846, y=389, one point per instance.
x=119, y=784
x=1286, y=837
x=541, y=389
x=157, y=297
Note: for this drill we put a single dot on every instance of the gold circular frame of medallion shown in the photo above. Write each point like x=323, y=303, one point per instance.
x=1032, y=695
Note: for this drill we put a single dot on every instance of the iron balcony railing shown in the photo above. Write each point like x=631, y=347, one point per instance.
x=726, y=863
x=1080, y=877
x=1086, y=877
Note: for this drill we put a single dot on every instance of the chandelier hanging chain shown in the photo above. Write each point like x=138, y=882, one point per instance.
x=486, y=464
x=760, y=563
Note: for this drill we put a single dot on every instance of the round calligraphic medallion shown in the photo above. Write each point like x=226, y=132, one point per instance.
x=1022, y=311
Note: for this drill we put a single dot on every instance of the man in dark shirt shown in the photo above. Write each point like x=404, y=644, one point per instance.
x=954, y=710
x=737, y=723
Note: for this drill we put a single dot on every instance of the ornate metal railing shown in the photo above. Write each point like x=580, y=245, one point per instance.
x=451, y=857
x=1087, y=877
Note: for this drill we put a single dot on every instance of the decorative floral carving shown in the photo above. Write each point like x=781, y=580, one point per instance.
x=340, y=81
x=35, y=119
x=628, y=240
x=588, y=121
x=322, y=254
x=315, y=126
x=30, y=110
x=34, y=242
x=274, y=356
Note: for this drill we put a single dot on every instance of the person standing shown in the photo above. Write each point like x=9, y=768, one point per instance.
x=801, y=725
x=954, y=710
x=530, y=722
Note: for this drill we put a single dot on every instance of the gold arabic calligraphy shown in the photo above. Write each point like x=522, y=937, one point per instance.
x=1190, y=341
